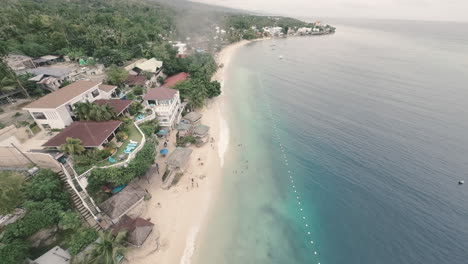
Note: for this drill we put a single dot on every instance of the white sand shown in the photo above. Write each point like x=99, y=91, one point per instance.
x=183, y=208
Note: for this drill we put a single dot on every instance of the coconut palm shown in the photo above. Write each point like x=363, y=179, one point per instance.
x=101, y=113
x=81, y=110
x=72, y=146
x=107, y=249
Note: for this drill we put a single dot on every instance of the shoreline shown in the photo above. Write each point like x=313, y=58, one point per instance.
x=180, y=212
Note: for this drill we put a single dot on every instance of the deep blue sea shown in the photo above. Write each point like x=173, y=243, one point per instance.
x=348, y=150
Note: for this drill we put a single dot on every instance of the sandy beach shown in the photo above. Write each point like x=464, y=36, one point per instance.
x=179, y=213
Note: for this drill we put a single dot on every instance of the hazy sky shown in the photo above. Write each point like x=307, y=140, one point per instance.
x=446, y=10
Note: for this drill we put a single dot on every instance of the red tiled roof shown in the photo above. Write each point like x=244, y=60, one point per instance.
x=91, y=134
x=161, y=93
x=118, y=105
x=136, y=80
x=174, y=79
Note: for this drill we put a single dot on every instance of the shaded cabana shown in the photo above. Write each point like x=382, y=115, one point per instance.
x=184, y=129
x=122, y=202
x=176, y=163
x=192, y=117
x=200, y=132
x=91, y=134
x=138, y=229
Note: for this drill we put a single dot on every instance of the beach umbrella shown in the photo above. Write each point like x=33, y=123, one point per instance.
x=164, y=151
x=162, y=132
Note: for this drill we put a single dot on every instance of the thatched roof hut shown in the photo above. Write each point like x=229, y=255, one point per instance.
x=178, y=158
x=119, y=204
x=193, y=117
x=138, y=229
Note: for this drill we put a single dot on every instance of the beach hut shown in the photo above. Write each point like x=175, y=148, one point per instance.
x=176, y=163
x=184, y=129
x=138, y=229
x=200, y=133
x=193, y=117
x=122, y=202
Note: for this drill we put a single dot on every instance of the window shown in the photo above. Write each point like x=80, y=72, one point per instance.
x=95, y=93
x=46, y=126
x=39, y=115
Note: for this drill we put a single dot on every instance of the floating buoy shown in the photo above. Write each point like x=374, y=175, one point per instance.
x=461, y=182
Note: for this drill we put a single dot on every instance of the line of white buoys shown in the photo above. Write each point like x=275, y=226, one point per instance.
x=286, y=162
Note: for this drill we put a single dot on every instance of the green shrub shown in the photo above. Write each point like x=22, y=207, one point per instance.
x=39, y=215
x=122, y=175
x=138, y=90
x=104, y=154
x=14, y=252
x=121, y=136
x=135, y=108
x=17, y=114
x=45, y=185
x=130, y=96
x=69, y=220
x=81, y=239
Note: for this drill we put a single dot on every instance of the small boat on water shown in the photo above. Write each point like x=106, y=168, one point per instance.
x=461, y=182
x=280, y=57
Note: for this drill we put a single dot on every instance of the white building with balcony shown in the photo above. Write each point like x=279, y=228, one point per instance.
x=165, y=102
x=55, y=110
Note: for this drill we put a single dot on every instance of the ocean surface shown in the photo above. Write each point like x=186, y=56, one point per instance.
x=348, y=150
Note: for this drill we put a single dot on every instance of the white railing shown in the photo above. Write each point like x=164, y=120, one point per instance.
x=147, y=118
x=70, y=182
x=119, y=164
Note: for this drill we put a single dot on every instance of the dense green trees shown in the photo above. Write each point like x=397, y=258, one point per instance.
x=45, y=202
x=87, y=111
x=121, y=175
x=108, y=249
x=11, y=191
x=111, y=31
x=116, y=75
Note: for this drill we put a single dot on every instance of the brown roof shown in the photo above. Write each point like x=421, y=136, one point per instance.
x=63, y=95
x=138, y=229
x=174, y=79
x=136, y=80
x=91, y=134
x=107, y=88
x=121, y=202
x=161, y=93
x=118, y=105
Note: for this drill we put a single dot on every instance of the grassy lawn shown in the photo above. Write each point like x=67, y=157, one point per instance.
x=132, y=135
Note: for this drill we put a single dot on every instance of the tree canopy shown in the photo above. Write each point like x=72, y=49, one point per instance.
x=11, y=191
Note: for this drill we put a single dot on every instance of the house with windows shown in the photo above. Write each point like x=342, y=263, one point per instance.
x=151, y=66
x=92, y=134
x=165, y=102
x=55, y=110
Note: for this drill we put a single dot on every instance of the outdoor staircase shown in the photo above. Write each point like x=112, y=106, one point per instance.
x=88, y=211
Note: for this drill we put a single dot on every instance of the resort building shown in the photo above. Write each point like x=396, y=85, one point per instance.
x=151, y=66
x=91, y=134
x=165, y=102
x=55, y=110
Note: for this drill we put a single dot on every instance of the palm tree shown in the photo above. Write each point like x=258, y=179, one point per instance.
x=101, y=113
x=107, y=249
x=10, y=81
x=82, y=110
x=72, y=146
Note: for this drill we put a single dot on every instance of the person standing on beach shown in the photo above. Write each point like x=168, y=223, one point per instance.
x=157, y=167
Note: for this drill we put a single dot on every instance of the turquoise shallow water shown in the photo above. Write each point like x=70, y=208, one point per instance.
x=370, y=125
